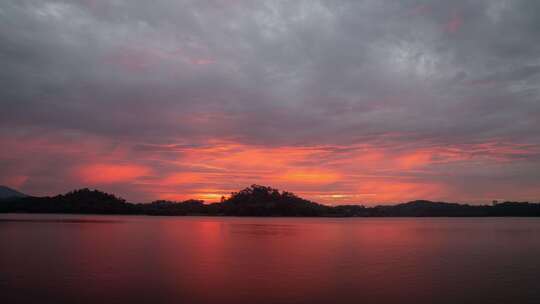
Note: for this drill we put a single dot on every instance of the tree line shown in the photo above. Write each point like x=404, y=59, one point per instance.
x=255, y=200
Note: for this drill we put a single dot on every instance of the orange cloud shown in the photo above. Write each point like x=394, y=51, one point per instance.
x=110, y=173
x=183, y=178
x=414, y=159
x=329, y=174
x=382, y=191
x=359, y=173
x=308, y=177
x=14, y=181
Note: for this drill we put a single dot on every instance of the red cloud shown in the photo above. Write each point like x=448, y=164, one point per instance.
x=354, y=173
x=454, y=24
x=97, y=174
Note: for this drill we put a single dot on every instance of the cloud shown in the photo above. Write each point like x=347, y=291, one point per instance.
x=210, y=85
x=99, y=174
x=454, y=24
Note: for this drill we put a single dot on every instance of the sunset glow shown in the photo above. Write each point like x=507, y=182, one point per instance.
x=101, y=174
x=364, y=173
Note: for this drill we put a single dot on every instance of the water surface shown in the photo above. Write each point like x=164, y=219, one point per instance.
x=139, y=259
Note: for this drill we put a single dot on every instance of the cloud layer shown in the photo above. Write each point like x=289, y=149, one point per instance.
x=340, y=101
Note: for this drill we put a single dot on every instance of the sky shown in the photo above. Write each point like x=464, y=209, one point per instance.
x=338, y=101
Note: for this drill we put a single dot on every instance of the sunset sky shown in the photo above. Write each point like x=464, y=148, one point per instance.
x=338, y=101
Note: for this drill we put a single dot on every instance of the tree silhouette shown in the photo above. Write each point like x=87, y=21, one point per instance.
x=255, y=200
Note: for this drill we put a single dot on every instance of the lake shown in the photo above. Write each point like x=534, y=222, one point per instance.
x=140, y=259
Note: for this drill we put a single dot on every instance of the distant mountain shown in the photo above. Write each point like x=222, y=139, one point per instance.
x=8, y=193
x=255, y=200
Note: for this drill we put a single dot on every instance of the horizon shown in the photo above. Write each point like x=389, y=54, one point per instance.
x=228, y=196
x=176, y=100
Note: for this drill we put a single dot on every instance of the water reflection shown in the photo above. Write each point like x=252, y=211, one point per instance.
x=65, y=259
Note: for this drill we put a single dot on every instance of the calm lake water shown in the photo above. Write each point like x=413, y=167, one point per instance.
x=138, y=259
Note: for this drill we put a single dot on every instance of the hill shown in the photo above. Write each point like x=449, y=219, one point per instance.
x=78, y=201
x=255, y=200
x=266, y=201
x=8, y=193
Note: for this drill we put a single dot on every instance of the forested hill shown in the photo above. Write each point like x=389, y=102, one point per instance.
x=255, y=200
